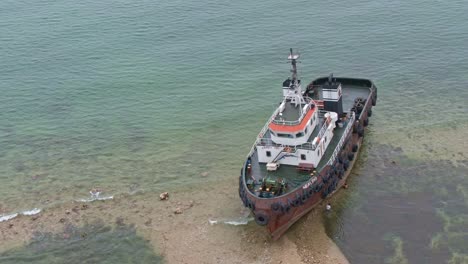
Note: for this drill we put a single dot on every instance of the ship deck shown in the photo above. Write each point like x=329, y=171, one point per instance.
x=290, y=174
x=291, y=112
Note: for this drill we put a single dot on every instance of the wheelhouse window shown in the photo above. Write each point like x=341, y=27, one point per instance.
x=303, y=157
x=300, y=134
x=268, y=153
x=285, y=135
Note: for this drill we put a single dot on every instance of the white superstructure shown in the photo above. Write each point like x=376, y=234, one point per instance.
x=299, y=132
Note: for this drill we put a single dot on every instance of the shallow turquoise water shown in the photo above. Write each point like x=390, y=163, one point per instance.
x=134, y=95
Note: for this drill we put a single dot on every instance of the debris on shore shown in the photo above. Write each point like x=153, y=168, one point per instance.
x=164, y=196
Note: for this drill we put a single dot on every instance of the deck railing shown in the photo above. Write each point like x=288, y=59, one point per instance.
x=263, y=131
x=322, y=130
x=307, y=146
x=349, y=126
x=272, y=119
x=294, y=122
x=261, y=141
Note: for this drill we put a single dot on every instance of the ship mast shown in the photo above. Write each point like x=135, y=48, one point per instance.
x=293, y=57
x=294, y=93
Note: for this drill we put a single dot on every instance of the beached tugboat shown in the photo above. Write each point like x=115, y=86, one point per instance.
x=306, y=150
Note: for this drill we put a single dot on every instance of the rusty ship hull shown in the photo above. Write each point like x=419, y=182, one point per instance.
x=278, y=212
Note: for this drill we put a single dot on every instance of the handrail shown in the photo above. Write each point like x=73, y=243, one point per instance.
x=262, y=132
x=322, y=130
x=308, y=145
x=343, y=137
x=272, y=119
x=295, y=122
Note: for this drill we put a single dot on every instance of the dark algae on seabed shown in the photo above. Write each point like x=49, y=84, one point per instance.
x=91, y=243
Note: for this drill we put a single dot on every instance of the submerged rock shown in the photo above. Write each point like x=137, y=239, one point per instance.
x=148, y=222
x=178, y=211
x=119, y=221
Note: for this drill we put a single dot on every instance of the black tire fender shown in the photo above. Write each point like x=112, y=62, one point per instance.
x=361, y=132
x=340, y=174
x=299, y=199
x=276, y=206
x=324, y=194
x=296, y=202
x=250, y=204
x=261, y=218
x=356, y=126
x=244, y=200
x=346, y=165
x=325, y=178
x=318, y=188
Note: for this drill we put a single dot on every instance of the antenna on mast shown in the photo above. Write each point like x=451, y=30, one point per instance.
x=294, y=92
x=293, y=57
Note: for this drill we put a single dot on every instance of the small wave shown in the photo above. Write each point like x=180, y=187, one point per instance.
x=34, y=211
x=239, y=222
x=88, y=200
x=235, y=222
x=8, y=217
x=31, y=212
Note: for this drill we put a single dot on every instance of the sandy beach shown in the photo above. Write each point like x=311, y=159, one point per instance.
x=180, y=229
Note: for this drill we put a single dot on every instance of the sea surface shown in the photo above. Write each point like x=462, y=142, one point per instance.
x=143, y=95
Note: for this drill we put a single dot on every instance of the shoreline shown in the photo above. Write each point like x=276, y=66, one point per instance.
x=183, y=222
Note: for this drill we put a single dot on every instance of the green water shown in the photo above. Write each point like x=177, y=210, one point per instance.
x=92, y=243
x=142, y=95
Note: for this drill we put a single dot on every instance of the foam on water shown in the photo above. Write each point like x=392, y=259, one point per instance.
x=7, y=217
x=235, y=222
x=92, y=199
x=244, y=219
x=239, y=221
x=4, y=218
x=31, y=212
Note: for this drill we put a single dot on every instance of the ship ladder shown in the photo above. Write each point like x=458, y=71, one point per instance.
x=282, y=153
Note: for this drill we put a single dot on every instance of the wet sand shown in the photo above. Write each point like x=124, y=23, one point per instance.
x=187, y=236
